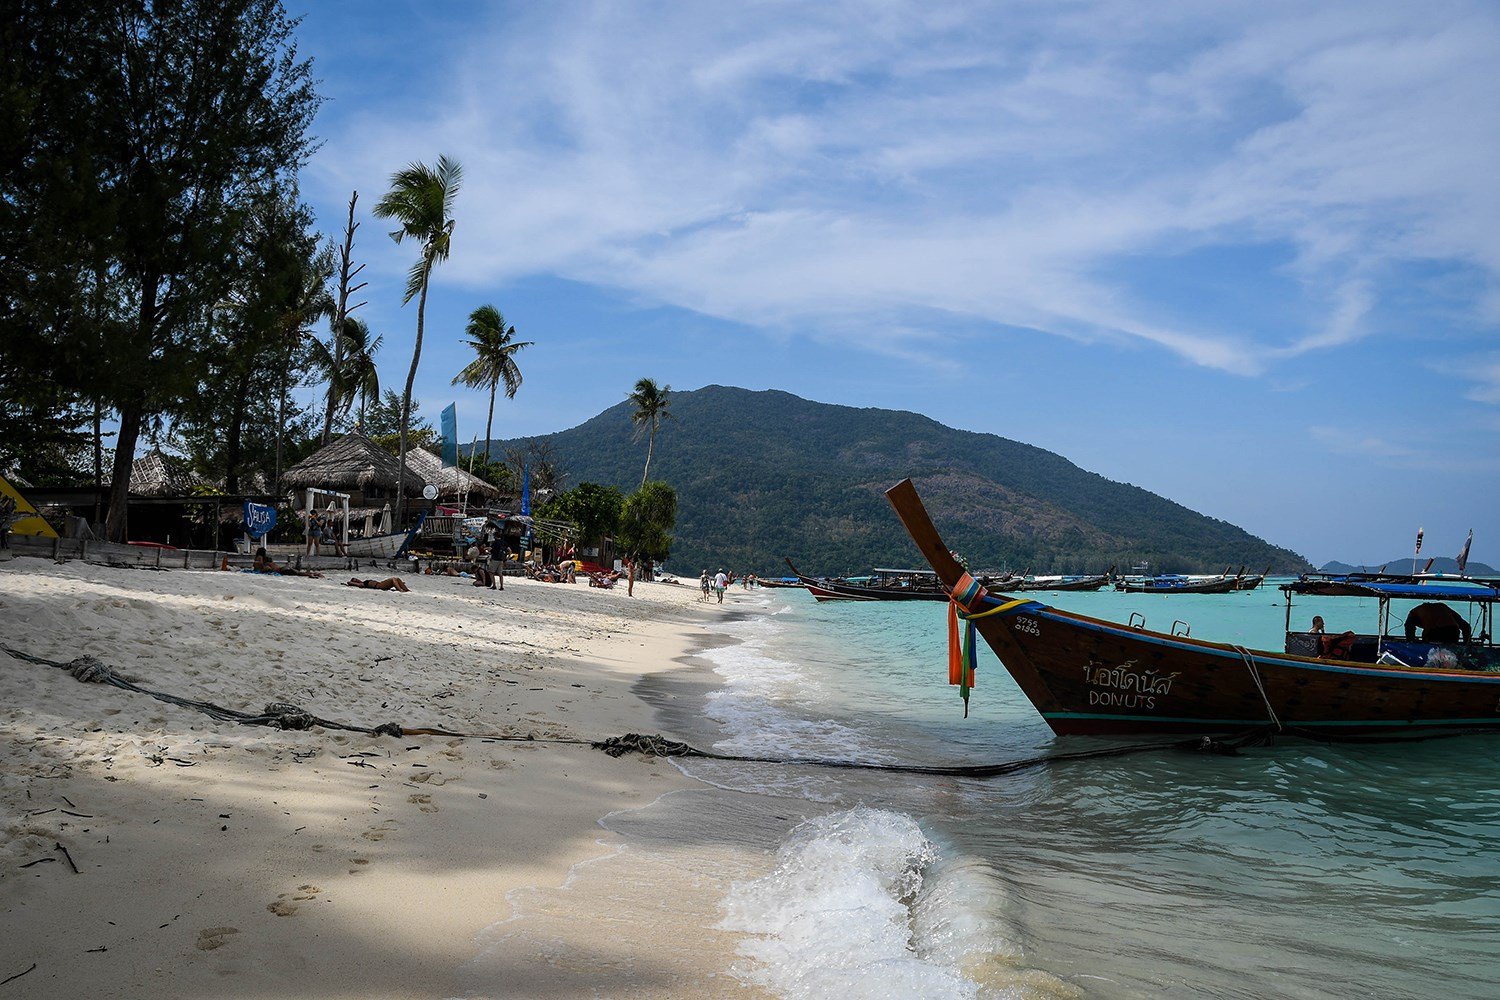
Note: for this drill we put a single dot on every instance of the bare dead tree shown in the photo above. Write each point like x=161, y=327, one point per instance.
x=347, y=273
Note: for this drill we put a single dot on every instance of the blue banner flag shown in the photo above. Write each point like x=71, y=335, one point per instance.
x=526, y=490
x=450, y=435
x=259, y=519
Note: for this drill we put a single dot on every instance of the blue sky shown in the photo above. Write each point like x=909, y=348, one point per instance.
x=1245, y=255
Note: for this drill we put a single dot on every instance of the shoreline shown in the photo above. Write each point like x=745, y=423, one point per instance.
x=218, y=859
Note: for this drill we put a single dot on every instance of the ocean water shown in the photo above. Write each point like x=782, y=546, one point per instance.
x=1296, y=870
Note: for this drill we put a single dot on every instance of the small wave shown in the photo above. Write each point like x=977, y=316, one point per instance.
x=860, y=905
x=754, y=707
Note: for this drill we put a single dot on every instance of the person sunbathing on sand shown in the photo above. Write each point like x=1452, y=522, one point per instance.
x=389, y=583
x=265, y=564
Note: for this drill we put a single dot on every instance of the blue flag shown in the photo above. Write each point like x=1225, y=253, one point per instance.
x=259, y=519
x=526, y=490
x=450, y=434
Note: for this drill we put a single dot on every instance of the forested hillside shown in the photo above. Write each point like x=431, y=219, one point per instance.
x=765, y=474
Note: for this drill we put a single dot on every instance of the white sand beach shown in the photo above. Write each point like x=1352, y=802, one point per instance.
x=217, y=859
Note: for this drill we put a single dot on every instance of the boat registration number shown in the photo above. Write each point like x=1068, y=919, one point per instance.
x=1028, y=625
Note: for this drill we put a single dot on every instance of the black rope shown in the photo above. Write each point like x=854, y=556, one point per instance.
x=287, y=716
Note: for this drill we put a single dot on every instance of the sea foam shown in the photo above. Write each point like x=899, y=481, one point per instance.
x=853, y=910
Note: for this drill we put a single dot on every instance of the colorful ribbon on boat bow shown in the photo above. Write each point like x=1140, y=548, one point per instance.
x=965, y=599
x=964, y=602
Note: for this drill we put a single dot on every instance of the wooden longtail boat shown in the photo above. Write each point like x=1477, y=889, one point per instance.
x=1179, y=585
x=1072, y=584
x=383, y=546
x=780, y=584
x=1092, y=677
x=894, y=585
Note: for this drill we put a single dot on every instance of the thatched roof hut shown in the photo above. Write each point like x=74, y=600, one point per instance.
x=353, y=464
x=158, y=475
x=451, y=481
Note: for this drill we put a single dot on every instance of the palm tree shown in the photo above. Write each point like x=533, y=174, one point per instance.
x=650, y=402
x=494, y=360
x=348, y=365
x=360, y=374
x=421, y=202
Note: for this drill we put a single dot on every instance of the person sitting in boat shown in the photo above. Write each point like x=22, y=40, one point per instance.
x=1438, y=622
x=1332, y=647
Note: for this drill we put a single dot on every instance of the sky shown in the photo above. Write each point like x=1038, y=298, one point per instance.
x=1244, y=255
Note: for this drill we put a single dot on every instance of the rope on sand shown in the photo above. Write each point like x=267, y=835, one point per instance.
x=286, y=716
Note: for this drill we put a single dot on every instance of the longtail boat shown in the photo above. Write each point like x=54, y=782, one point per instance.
x=1172, y=584
x=883, y=585
x=1066, y=583
x=790, y=583
x=1087, y=676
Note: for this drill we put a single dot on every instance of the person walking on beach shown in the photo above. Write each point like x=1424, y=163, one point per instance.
x=720, y=583
x=704, y=584
x=314, y=534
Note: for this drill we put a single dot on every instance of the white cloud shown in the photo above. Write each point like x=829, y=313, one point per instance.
x=847, y=166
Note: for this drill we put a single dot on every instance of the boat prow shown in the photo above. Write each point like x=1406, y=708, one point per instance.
x=1092, y=677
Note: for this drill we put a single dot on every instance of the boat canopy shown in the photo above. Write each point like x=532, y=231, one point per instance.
x=1427, y=592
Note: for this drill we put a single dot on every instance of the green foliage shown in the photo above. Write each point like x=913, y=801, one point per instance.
x=143, y=135
x=593, y=508
x=495, y=473
x=647, y=518
x=763, y=475
x=383, y=425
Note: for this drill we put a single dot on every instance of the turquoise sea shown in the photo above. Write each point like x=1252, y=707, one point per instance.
x=1293, y=870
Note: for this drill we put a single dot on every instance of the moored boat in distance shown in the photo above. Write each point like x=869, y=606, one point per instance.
x=1073, y=584
x=1087, y=676
x=1174, y=583
x=880, y=585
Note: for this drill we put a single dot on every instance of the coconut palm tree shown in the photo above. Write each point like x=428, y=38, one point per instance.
x=360, y=373
x=494, y=360
x=421, y=203
x=349, y=365
x=651, y=402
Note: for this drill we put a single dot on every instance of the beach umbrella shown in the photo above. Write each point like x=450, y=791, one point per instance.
x=385, y=519
x=369, y=523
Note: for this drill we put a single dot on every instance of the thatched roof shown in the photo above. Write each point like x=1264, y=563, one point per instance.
x=353, y=462
x=158, y=475
x=451, y=481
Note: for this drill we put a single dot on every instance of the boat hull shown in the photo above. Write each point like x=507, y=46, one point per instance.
x=1089, y=677
x=378, y=546
x=1092, y=677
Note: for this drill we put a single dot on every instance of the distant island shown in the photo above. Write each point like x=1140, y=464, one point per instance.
x=1441, y=564
x=761, y=475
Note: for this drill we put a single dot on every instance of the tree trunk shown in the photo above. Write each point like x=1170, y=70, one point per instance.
x=411, y=378
x=98, y=467
x=286, y=378
x=233, y=437
x=335, y=380
x=650, y=447
x=131, y=415
x=489, y=422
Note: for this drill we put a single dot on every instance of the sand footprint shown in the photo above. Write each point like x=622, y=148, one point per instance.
x=359, y=863
x=212, y=937
x=376, y=833
x=423, y=802
x=281, y=907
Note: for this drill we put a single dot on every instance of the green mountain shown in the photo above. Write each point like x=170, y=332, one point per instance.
x=1403, y=564
x=761, y=475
